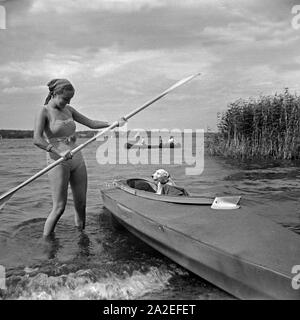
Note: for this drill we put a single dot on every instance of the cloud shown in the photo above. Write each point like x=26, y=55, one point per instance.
x=83, y=64
x=51, y=66
x=13, y=90
x=68, y=6
x=239, y=7
x=109, y=60
x=119, y=53
x=4, y=81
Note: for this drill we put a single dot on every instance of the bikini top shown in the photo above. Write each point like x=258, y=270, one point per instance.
x=59, y=129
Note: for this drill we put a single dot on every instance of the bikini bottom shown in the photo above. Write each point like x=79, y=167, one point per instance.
x=72, y=164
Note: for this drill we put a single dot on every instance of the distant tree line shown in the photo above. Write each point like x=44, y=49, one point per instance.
x=16, y=134
x=22, y=134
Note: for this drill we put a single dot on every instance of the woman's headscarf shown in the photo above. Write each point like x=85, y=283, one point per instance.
x=57, y=86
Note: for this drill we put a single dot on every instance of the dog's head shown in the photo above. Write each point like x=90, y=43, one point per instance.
x=161, y=176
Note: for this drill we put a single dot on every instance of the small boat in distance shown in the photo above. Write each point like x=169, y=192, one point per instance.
x=129, y=145
x=238, y=250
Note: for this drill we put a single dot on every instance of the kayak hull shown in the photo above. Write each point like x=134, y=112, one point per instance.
x=237, y=260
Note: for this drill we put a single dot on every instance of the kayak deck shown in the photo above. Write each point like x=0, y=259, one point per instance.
x=243, y=253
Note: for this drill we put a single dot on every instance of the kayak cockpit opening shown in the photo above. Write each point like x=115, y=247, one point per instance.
x=145, y=188
x=146, y=185
x=142, y=184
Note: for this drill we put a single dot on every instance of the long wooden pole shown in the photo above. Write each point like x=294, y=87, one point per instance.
x=4, y=198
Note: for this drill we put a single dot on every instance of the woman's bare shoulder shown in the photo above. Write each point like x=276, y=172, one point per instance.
x=41, y=119
x=43, y=113
x=70, y=108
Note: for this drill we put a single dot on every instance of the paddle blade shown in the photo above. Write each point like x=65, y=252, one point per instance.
x=4, y=198
x=181, y=82
x=226, y=203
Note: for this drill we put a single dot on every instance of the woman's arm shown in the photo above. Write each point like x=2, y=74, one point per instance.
x=38, y=138
x=39, y=125
x=93, y=124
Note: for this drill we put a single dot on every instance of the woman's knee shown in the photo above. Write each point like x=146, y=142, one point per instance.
x=58, y=209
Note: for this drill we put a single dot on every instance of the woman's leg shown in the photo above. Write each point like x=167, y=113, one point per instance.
x=59, y=180
x=78, y=181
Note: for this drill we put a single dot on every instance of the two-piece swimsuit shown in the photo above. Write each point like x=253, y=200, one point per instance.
x=61, y=134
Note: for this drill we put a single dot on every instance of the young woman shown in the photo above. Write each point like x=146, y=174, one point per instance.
x=55, y=132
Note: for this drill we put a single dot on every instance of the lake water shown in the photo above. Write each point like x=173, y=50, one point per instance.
x=103, y=263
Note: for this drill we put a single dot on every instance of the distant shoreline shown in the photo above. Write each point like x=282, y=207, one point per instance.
x=25, y=134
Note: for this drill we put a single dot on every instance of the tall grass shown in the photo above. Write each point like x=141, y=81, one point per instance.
x=267, y=127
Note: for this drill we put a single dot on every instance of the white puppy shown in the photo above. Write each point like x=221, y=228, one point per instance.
x=162, y=177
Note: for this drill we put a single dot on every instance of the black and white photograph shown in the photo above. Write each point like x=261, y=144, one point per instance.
x=150, y=151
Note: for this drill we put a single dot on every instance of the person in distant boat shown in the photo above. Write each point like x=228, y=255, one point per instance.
x=143, y=142
x=160, y=142
x=171, y=140
x=54, y=132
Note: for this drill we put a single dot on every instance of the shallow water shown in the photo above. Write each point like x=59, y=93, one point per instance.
x=103, y=263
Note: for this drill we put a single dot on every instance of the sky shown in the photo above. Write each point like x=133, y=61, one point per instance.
x=121, y=53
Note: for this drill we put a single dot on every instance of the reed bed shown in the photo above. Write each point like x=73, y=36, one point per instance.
x=266, y=127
